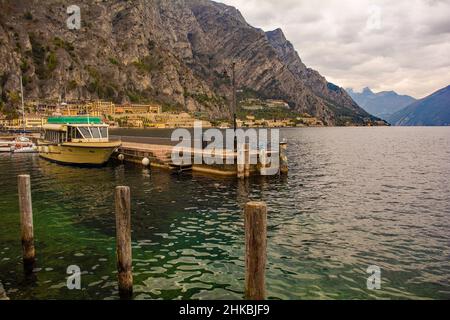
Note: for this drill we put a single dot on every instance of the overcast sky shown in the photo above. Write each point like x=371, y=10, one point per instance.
x=401, y=45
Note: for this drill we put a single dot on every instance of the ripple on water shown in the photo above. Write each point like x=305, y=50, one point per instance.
x=354, y=198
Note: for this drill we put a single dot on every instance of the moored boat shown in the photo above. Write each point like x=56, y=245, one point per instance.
x=5, y=146
x=23, y=145
x=77, y=141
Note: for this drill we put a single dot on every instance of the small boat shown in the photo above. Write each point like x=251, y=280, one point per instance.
x=23, y=145
x=25, y=150
x=76, y=141
x=5, y=146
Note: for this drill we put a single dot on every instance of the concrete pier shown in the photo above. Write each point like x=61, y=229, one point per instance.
x=160, y=156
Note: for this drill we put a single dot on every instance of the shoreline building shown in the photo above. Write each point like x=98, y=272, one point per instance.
x=32, y=122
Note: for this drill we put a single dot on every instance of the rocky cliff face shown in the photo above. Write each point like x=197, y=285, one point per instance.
x=124, y=51
x=334, y=97
x=174, y=52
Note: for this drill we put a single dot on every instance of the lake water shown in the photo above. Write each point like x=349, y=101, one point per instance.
x=355, y=197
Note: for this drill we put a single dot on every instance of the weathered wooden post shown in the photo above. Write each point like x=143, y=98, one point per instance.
x=240, y=164
x=255, y=250
x=26, y=222
x=123, y=241
x=247, y=160
x=284, y=167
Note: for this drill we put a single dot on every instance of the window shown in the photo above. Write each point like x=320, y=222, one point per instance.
x=95, y=132
x=104, y=132
x=76, y=134
x=53, y=136
x=85, y=132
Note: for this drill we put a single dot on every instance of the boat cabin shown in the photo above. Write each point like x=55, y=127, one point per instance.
x=75, y=130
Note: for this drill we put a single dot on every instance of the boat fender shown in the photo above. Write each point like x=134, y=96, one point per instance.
x=146, y=162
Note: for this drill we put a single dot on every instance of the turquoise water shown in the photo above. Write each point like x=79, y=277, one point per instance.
x=355, y=197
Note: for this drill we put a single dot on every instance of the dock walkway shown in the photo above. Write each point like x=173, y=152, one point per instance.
x=160, y=155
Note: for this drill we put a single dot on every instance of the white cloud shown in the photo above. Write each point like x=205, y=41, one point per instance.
x=387, y=45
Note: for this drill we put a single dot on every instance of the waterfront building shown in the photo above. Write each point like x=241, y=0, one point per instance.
x=32, y=121
x=138, y=109
x=260, y=104
x=157, y=120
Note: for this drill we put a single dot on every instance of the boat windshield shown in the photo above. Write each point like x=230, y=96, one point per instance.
x=76, y=133
x=89, y=133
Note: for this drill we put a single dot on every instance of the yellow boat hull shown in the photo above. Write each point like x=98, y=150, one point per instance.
x=79, y=153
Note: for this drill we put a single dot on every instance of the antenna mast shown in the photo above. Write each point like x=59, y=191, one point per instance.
x=23, y=105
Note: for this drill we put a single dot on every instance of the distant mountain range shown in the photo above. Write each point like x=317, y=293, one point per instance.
x=433, y=110
x=382, y=104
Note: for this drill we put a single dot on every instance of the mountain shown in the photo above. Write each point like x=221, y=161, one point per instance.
x=171, y=52
x=433, y=110
x=382, y=104
x=335, y=98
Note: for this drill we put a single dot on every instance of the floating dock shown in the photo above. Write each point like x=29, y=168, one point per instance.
x=158, y=155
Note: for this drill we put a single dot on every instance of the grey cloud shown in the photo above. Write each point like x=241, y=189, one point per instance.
x=408, y=51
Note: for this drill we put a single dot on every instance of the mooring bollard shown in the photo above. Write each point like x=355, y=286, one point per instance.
x=26, y=222
x=123, y=241
x=247, y=160
x=284, y=167
x=255, y=250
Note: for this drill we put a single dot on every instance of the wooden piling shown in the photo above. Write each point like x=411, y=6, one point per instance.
x=284, y=167
x=123, y=241
x=247, y=160
x=240, y=166
x=26, y=222
x=255, y=250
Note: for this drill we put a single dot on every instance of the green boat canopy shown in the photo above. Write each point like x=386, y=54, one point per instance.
x=74, y=120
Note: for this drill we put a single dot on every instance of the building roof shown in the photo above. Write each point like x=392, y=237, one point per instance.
x=55, y=127
x=74, y=120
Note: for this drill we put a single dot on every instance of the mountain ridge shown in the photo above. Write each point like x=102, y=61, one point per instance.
x=433, y=110
x=170, y=52
x=381, y=104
